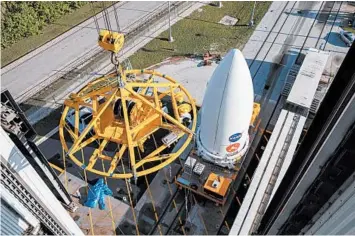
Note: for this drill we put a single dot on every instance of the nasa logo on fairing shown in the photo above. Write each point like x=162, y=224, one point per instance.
x=235, y=137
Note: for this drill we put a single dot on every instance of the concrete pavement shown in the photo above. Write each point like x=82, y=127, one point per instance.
x=66, y=51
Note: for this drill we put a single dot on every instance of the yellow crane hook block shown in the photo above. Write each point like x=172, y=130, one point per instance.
x=111, y=41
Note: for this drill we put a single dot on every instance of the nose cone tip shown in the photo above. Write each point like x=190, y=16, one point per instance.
x=234, y=57
x=234, y=51
x=237, y=54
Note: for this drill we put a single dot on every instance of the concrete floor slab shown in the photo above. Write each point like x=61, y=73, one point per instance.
x=102, y=221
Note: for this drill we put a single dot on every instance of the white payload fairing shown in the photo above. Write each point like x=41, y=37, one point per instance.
x=226, y=112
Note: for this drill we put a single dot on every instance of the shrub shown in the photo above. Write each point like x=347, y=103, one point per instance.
x=23, y=19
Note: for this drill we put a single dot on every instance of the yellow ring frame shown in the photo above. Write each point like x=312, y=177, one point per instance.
x=109, y=87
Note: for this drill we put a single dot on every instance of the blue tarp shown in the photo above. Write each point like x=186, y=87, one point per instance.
x=96, y=194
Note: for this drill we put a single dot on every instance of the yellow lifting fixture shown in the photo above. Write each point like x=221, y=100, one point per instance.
x=127, y=115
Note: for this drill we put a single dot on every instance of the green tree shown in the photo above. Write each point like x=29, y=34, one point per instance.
x=23, y=19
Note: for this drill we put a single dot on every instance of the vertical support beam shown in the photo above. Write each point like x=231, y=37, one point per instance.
x=95, y=107
x=173, y=101
x=156, y=98
x=132, y=157
x=76, y=122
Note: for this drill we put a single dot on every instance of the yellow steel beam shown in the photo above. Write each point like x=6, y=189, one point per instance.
x=105, y=157
x=168, y=117
x=173, y=101
x=83, y=97
x=153, y=85
x=56, y=167
x=70, y=131
x=95, y=107
x=96, y=154
x=144, y=123
x=149, y=80
x=152, y=72
x=85, y=104
x=123, y=76
x=152, y=159
x=156, y=98
x=87, y=142
x=76, y=122
x=76, y=101
x=117, y=158
x=90, y=125
x=61, y=128
x=163, y=94
x=168, y=161
x=128, y=130
x=152, y=155
x=169, y=126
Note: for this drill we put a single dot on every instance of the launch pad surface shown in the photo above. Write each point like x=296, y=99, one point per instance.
x=103, y=223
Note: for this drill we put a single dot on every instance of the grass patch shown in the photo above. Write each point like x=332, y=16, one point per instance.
x=201, y=31
x=50, y=32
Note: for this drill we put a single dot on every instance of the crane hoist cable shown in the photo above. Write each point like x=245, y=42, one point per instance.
x=106, y=17
x=108, y=39
x=87, y=186
x=171, y=193
x=116, y=17
x=109, y=202
x=131, y=202
x=95, y=18
x=72, y=136
x=151, y=196
x=109, y=199
x=87, y=193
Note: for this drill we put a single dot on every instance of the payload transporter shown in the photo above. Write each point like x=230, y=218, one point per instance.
x=222, y=138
